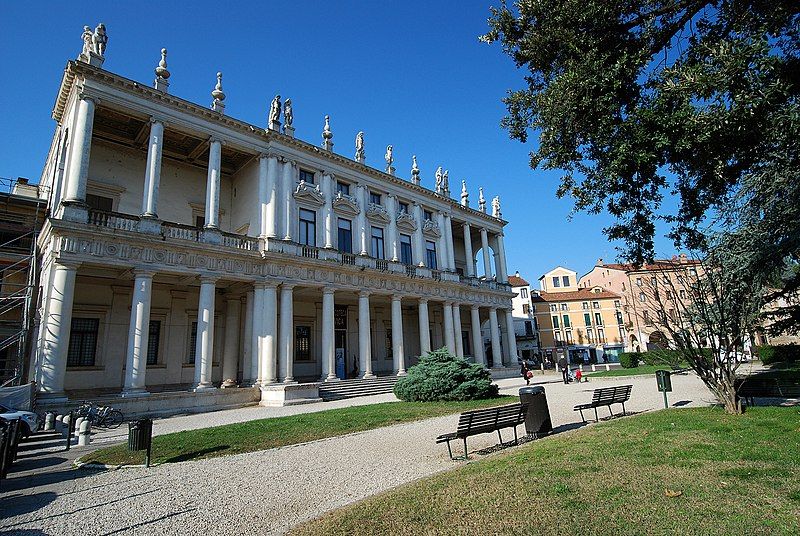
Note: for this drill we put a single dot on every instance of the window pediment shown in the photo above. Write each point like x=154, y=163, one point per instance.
x=431, y=228
x=378, y=213
x=406, y=222
x=309, y=193
x=346, y=204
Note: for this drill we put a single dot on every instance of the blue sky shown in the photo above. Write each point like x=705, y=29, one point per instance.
x=409, y=74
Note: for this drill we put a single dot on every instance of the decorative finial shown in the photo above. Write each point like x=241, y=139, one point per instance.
x=274, y=122
x=162, y=74
x=496, y=207
x=288, y=118
x=464, y=194
x=360, y=154
x=481, y=201
x=327, y=135
x=389, y=160
x=439, y=178
x=218, y=95
x=414, y=170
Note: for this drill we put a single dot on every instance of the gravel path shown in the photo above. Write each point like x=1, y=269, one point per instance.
x=269, y=491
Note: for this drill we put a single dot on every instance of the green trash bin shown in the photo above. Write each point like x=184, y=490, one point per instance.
x=140, y=433
x=664, y=380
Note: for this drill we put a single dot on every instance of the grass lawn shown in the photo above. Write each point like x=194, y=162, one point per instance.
x=265, y=434
x=636, y=371
x=682, y=471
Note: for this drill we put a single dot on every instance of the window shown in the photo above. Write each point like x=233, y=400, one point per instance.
x=558, y=338
x=302, y=343
x=598, y=319
x=192, y=343
x=375, y=198
x=595, y=305
x=306, y=176
x=564, y=307
x=377, y=243
x=642, y=297
x=345, y=237
x=646, y=317
x=153, y=340
x=523, y=293
x=389, y=350
x=526, y=309
x=342, y=187
x=83, y=342
x=403, y=208
x=587, y=319
x=555, y=322
x=566, y=320
x=638, y=281
x=601, y=335
x=653, y=281
x=669, y=295
x=536, y=323
x=553, y=307
x=682, y=294
x=692, y=271
x=621, y=333
x=662, y=318
x=428, y=215
x=556, y=281
x=616, y=304
x=528, y=328
x=590, y=335
x=623, y=287
x=199, y=221
x=569, y=337
x=585, y=305
x=308, y=227
x=620, y=321
x=405, y=249
x=430, y=254
x=666, y=278
x=99, y=202
x=565, y=280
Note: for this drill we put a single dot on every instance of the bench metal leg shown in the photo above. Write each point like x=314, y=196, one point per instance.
x=610, y=411
x=449, y=450
x=516, y=440
x=596, y=418
x=465, y=449
x=499, y=437
x=623, y=408
x=582, y=417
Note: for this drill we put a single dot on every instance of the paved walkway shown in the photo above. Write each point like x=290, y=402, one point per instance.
x=270, y=491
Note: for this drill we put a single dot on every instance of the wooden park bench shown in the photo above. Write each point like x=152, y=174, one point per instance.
x=605, y=396
x=750, y=388
x=484, y=421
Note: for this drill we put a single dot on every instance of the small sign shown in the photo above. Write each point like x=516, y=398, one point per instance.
x=340, y=317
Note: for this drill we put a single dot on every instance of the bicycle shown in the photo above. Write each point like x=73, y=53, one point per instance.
x=101, y=416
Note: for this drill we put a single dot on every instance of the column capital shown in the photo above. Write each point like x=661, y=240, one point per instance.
x=397, y=297
x=328, y=290
x=206, y=279
x=84, y=96
x=144, y=272
x=475, y=307
x=448, y=303
x=423, y=301
x=67, y=264
x=288, y=286
x=155, y=119
x=364, y=294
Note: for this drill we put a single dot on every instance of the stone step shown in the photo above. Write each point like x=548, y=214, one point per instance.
x=356, y=387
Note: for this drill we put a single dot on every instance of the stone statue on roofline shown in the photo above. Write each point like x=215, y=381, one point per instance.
x=414, y=170
x=446, y=182
x=275, y=113
x=496, y=207
x=389, y=157
x=87, y=42
x=288, y=114
x=481, y=201
x=100, y=40
x=464, y=194
x=360, y=154
x=438, y=180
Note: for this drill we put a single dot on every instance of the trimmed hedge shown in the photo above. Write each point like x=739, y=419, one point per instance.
x=440, y=375
x=629, y=359
x=673, y=358
x=788, y=353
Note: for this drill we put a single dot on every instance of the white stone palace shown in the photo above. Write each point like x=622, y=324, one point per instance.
x=186, y=251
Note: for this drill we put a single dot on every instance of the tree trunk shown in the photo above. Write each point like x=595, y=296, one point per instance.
x=727, y=397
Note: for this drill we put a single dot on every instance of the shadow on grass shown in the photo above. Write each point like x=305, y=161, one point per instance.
x=188, y=456
x=530, y=437
x=681, y=403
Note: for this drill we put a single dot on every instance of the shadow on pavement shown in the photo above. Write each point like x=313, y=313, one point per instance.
x=18, y=504
x=143, y=523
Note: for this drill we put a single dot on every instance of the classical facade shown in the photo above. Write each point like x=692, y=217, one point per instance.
x=185, y=249
x=587, y=324
x=524, y=319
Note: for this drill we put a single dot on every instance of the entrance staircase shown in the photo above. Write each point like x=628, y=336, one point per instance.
x=356, y=387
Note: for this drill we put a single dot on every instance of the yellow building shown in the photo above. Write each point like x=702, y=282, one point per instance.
x=586, y=324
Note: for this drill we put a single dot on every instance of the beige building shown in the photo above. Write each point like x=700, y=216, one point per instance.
x=585, y=323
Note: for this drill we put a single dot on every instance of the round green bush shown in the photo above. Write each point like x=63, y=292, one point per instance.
x=439, y=375
x=629, y=359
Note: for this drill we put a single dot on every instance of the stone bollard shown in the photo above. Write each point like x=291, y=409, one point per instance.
x=84, y=434
x=594, y=368
x=59, y=425
x=608, y=367
x=49, y=421
x=542, y=365
x=78, y=422
x=65, y=425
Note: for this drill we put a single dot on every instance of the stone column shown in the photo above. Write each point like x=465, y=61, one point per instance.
x=511, y=338
x=419, y=239
x=204, y=351
x=327, y=210
x=449, y=336
x=58, y=322
x=364, y=337
x=441, y=245
x=398, y=354
x=257, y=333
x=448, y=240
x=152, y=172
x=502, y=269
x=230, y=355
x=248, y=349
x=138, y=333
x=497, y=352
x=363, y=199
x=286, y=350
x=487, y=258
x=424, y=327
x=457, y=330
x=392, y=209
x=212, y=185
x=75, y=194
x=470, y=270
x=328, y=354
x=477, y=336
x=267, y=183
x=269, y=320
x=288, y=192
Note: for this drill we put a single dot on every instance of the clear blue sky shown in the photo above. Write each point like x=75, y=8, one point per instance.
x=411, y=74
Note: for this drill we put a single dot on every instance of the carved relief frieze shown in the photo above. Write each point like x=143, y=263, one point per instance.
x=406, y=222
x=431, y=228
x=346, y=204
x=378, y=213
x=309, y=193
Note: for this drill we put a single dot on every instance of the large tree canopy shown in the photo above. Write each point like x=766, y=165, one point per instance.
x=638, y=100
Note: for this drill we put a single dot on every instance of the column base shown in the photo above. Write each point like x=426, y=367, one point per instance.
x=149, y=225
x=368, y=376
x=227, y=384
x=76, y=211
x=200, y=387
x=402, y=373
x=289, y=380
x=211, y=236
x=59, y=397
x=134, y=393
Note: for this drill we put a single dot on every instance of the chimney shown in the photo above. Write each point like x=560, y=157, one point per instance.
x=600, y=261
x=22, y=180
x=517, y=273
x=683, y=258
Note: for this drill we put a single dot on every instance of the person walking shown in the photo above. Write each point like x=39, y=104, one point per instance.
x=564, y=366
x=524, y=371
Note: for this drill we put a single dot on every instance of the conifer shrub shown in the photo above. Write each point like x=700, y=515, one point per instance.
x=441, y=376
x=629, y=359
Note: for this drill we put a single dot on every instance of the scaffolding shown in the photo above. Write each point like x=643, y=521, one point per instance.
x=22, y=213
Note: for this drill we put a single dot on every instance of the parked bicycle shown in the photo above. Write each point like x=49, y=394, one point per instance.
x=100, y=416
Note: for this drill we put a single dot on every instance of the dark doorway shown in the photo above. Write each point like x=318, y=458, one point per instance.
x=340, y=341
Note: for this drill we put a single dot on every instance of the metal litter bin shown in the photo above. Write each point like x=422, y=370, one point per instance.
x=140, y=437
x=537, y=418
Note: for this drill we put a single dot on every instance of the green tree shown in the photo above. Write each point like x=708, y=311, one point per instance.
x=697, y=100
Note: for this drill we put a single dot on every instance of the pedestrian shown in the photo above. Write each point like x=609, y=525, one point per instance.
x=524, y=371
x=578, y=375
x=562, y=364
